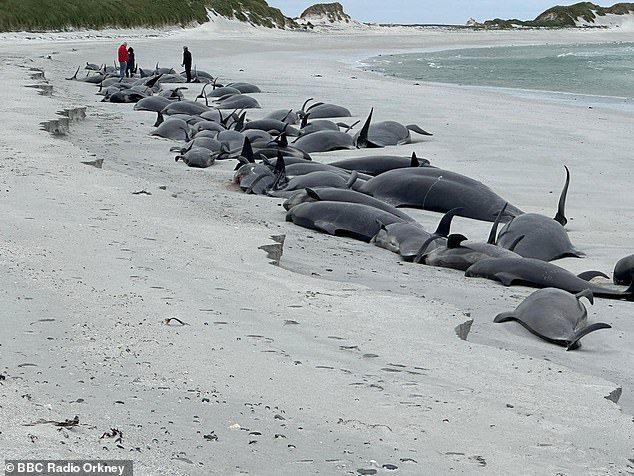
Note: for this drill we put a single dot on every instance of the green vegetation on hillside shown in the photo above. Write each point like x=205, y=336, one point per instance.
x=567, y=16
x=559, y=17
x=46, y=15
x=38, y=15
x=257, y=12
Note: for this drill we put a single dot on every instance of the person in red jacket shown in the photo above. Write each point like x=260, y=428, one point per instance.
x=123, y=60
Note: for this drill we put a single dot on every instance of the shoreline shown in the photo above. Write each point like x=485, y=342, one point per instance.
x=620, y=104
x=350, y=360
x=624, y=105
x=390, y=69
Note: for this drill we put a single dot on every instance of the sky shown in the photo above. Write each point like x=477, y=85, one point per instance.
x=453, y=12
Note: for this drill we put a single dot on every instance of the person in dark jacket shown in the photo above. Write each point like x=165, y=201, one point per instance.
x=187, y=62
x=131, y=67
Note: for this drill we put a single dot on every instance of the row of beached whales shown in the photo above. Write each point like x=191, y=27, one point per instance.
x=363, y=197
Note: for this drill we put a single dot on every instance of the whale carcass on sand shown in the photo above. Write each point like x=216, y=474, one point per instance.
x=555, y=315
x=544, y=238
x=438, y=190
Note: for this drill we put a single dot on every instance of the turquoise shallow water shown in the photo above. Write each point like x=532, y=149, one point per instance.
x=605, y=69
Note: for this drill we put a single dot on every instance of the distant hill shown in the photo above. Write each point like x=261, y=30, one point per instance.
x=330, y=12
x=583, y=13
x=569, y=16
x=326, y=16
x=46, y=15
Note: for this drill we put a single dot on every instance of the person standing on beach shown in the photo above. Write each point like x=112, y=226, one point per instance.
x=187, y=62
x=130, y=65
x=123, y=60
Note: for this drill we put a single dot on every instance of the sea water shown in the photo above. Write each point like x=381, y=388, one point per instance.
x=603, y=71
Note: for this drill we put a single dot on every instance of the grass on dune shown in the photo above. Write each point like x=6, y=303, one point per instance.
x=55, y=15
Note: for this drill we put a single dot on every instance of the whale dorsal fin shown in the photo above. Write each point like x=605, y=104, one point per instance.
x=312, y=194
x=314, y=105
x=416, y=162
x=494, y=229
x=304, y=105
x=444, y=225
x=421, y=251
x=362, y=140
x=586, y=293
x=346, y=126
x=202, y=92
x=282, y=140
x=224, y=120
x=159, y=119
x=455, y=240
x=74, y=76
x=382, y=225
x=304, y=120
x=515, y=242
x=247, y=151
x=287, y=114
x=560, y=217
x=588, y=275
x=151, y=82
x=279, y=172
x=241, y=162
x=239, y=124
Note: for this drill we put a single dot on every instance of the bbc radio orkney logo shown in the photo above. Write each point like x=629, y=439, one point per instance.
x=67, y=468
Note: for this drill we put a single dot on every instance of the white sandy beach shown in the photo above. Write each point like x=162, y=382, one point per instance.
x=342, y=358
